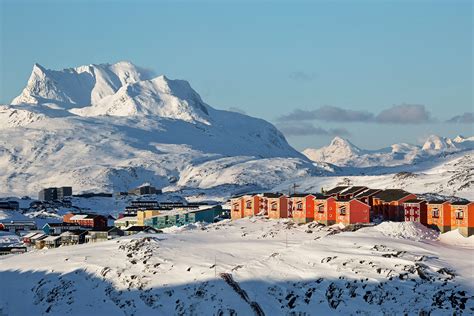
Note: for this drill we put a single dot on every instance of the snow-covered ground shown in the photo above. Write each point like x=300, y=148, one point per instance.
x=245, y=267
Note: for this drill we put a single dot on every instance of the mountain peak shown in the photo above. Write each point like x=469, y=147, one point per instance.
x=437, y=143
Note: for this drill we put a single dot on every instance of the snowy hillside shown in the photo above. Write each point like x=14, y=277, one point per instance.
x=247, y=267
x=112, y=127
x=342, y=152
x=452, y=175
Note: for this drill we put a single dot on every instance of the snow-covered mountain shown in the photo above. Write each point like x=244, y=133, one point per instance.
x=112, y=127
x=343, y=153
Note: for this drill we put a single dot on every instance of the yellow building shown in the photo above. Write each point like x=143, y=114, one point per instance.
x=144, y=214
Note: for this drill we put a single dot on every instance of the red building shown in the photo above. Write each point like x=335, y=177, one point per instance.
x=462, y=217
x=277, y=205
x=352, y=211
x=416, y=211
x=388, y=204
x=86, y=220
x=301, y=207
x=325, y=210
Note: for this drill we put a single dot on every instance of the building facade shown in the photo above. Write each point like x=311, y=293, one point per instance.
x=462, y=217
x=325, y=210
x=416, y=211
x=352, y=211
x=439, y=215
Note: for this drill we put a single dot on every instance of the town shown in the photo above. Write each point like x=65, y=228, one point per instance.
x=79, y=227
x=352, y=206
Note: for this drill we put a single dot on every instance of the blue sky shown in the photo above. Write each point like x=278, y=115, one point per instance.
x=287, y=62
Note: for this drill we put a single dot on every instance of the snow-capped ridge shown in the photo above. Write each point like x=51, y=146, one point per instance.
x=343, y=153
x=435, y=143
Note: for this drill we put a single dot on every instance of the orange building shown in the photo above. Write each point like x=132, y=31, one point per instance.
x=439, y=215
x=251, y=204
x=277, y=205
x=388, y=204
x=416, y=211
x=462, y=217
x=237, y=207
x=325, y=209
x=301, y=207
x=352, y=211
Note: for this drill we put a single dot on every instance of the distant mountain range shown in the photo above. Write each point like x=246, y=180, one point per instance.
x=111, y=127
x=341, y=152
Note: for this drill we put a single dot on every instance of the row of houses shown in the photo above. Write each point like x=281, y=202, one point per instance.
x=357, y=205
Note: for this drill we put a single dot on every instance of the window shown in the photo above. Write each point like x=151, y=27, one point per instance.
x=435, y=213
x=236, y=207
x=321, y=208
x=299, y=206
x=248, y=204
x=274, y=206
x=342, y=210
x=459, y=214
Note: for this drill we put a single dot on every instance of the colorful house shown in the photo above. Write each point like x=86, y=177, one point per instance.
x=352, y=211
x=237, y=207
x=144, y=214
x=325, y=209
x=388, y=204
x=439, y=215
x=86, y=220
x=301, y=207
x=462, y=217
x=251, y=204
x=277, y=204
x=416, y=211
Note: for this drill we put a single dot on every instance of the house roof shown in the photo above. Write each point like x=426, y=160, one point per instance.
x=52, y=238
x=461, y=203
x=61, y=224
x=337, y=189
x=354, y=189
x=106, y=229
x=306, y=194
x=139, y=229
x=437, y=201
x=391, y=195
x=29, y=235
x=272, y=195
x=39, y=236
x=367, y=193
x=415, y=201
x=73, y=232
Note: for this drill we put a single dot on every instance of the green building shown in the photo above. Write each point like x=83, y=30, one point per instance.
x=183, y=218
